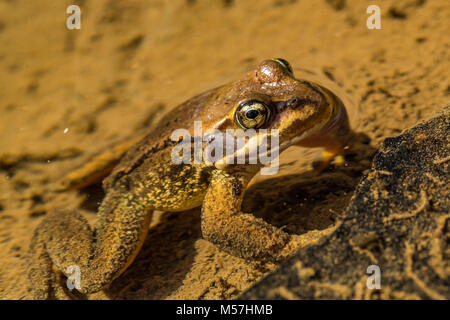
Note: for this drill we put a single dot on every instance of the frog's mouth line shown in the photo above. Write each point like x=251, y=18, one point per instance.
x=250, y=152
x=335, y=118
x=309, y=130
x=317, y=129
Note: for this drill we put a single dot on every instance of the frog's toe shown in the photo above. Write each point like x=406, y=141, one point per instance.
x=44, y=283
x=40, y=274
x=326, y=159
x=50, y=249
x=298, y=242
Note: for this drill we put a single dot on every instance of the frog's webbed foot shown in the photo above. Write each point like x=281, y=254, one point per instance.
x=237, y=233
x=64, y=241
x=45, y=283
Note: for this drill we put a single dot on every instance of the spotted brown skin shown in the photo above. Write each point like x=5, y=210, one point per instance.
x=146, y=179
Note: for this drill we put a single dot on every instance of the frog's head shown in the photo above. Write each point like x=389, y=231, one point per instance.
x=270, y=97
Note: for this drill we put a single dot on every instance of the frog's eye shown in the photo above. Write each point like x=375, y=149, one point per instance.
x=252, y=114
x=285, y=64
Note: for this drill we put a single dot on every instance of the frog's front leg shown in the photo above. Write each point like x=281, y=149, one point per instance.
x=237, y=233
x=65, y=241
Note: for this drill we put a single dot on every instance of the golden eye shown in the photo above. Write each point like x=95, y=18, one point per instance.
x=252, y=114
x=285, y=64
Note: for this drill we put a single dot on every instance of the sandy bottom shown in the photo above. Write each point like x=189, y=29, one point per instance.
x=67, y=95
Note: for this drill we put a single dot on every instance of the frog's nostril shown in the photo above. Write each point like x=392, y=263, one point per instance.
x=292, y=102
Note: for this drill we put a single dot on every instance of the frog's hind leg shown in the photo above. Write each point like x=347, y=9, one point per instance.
x=76, y=235
x=65, y=241
x=40, y=275
x=98, y=167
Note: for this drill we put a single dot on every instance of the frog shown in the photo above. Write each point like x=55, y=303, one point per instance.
x=147, y=179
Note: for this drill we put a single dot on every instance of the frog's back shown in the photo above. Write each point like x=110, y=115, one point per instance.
x=149, y=161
